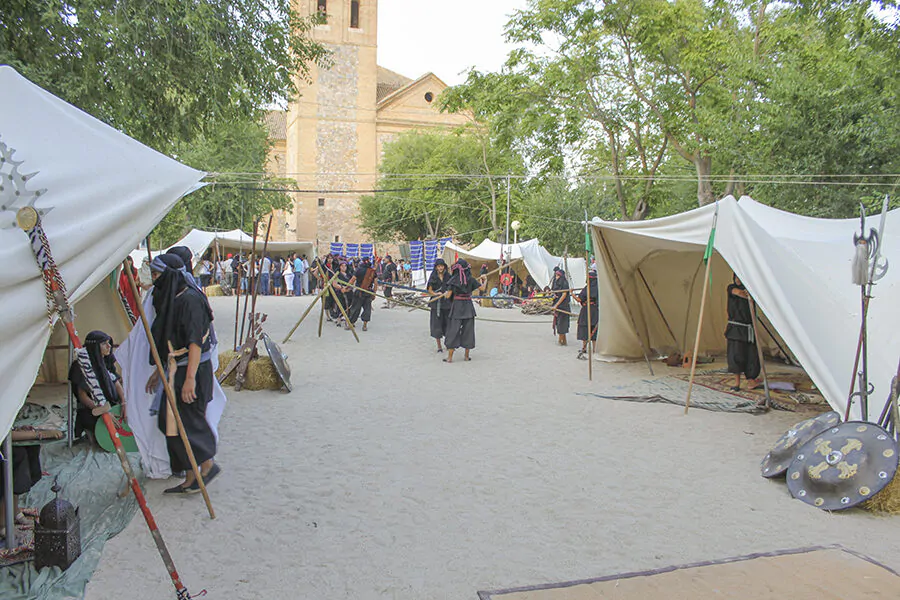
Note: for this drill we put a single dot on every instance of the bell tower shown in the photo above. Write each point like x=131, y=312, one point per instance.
x=331, y=126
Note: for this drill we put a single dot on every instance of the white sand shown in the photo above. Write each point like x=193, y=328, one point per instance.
x=389, y=474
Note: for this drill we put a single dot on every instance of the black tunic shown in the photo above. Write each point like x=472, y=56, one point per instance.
x=561, y=319
x=461, y=324
x=343, y=298
x=362, y=301
x=742, y=353
x=583, y=314
x=440, y=309
x=192, y=325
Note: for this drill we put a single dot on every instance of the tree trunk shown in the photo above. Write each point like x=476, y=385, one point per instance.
x=705, y=194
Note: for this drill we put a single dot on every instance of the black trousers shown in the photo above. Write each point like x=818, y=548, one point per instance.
x=583, y=323
x=438, y=322
x=460, y=333
x=562, y=324
x=193, y=415
x=362, y=306
x=743, y=359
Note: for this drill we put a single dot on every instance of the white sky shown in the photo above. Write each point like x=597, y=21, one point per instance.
x=443, y=36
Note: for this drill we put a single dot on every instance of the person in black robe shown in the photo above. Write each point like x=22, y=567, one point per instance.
x=461, y=320
x=328, y=270
x=561, y=305
x=183, y=321
x=363, y=278
x=103, y=362
x=743, y=356
x=343, y=292
x=592, y=309
x=388, y=276
x=440, y=308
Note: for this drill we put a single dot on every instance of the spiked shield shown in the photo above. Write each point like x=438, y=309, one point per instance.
x=843, y=466
x=279, y=360
x=782, y=453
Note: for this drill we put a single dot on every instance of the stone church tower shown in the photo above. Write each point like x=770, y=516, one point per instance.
x=330, y=139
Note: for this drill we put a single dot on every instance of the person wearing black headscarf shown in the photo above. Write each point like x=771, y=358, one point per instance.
x=103, y=363
x=583, y=314
x=743, y=356
x=440, y=309
x=342, y=291
x=561, y=305
x=461, y=320
x=183, y=321
x=363, y=278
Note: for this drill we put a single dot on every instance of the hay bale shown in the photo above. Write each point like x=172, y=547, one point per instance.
x=887, y=500
x=261, y=373
x=214, y=290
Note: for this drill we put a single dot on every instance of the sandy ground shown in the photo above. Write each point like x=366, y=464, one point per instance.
x=389, y=474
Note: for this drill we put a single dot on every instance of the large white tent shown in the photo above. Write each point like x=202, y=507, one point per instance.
x=100, y=193
x=535, y=259
x=199, y=240
x=798, y=269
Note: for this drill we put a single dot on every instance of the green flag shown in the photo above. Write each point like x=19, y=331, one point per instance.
x=587, y=241
x=709, y=245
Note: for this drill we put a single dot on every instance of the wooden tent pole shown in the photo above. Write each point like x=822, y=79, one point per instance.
x=759, y=351
x=170, y=397
x=309, y=308
x=709, y=258
x=634, y=326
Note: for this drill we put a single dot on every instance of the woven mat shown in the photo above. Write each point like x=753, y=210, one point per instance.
x=821, y=573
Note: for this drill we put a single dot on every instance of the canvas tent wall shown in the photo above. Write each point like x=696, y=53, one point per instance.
x=199, y=240
x=529, y=258
x=797, y=268
x=99, y=191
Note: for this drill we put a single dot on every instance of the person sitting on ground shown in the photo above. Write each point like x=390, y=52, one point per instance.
x=103, y=362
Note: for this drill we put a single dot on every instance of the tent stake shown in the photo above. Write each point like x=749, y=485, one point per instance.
x=170, y=395
x=634, y=326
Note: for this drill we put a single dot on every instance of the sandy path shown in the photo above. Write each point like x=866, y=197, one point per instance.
x=389, y=474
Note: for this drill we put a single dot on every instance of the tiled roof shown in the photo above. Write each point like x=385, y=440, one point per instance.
x=388, y=82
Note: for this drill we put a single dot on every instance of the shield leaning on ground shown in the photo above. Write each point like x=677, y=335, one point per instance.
x=279, y=361
x=782, y=453
x=843, y=466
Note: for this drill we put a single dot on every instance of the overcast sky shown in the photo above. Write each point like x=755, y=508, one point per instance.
x=441, y=36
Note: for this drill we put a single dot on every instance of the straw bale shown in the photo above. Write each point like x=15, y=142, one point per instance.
x=215, y=290
x=887, y=500
x=261, y=373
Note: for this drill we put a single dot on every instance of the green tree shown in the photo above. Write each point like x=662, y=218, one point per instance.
x=239, y=147
x=160, y=71
x=438, y=183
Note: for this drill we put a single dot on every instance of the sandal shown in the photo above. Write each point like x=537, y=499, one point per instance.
x=446, y=360
x=178, y=489
x=735, y=388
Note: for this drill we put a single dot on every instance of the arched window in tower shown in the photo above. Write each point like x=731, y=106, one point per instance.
x=322, y=10
x=354, y=14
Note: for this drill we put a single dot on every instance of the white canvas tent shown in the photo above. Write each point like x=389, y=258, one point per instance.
x=796, y=268
x=235, y=240
x=533, y=260
x=100, y=193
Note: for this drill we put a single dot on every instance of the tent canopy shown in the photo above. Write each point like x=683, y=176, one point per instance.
x=235, y=240
x=100, y=193
x=532, y=259
x=796, y=268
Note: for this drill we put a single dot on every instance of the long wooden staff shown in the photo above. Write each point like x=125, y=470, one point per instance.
x=687, y=402
x=170, y=397
x=759, y=351
x=587, y=272
x=341, y=307
x=29, y=220
x=250, y=281
x=309, y=308
x=256, y=283
x=237, y=303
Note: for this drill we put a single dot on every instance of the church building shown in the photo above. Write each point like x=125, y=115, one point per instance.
x=331, y=138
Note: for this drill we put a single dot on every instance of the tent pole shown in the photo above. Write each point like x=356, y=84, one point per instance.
x=70, y=408
x=687, y=403
x=759, y=351
x=587, y=286
x=9, y=514
x=615, y=271
x=658, y=308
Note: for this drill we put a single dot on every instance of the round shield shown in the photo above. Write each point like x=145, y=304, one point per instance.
x=843, y=466
x=782, y=453
x=279, y=360
x=101, y=433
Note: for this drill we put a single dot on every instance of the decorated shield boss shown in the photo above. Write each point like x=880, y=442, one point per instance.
x=782, y=453
x=843, y=466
